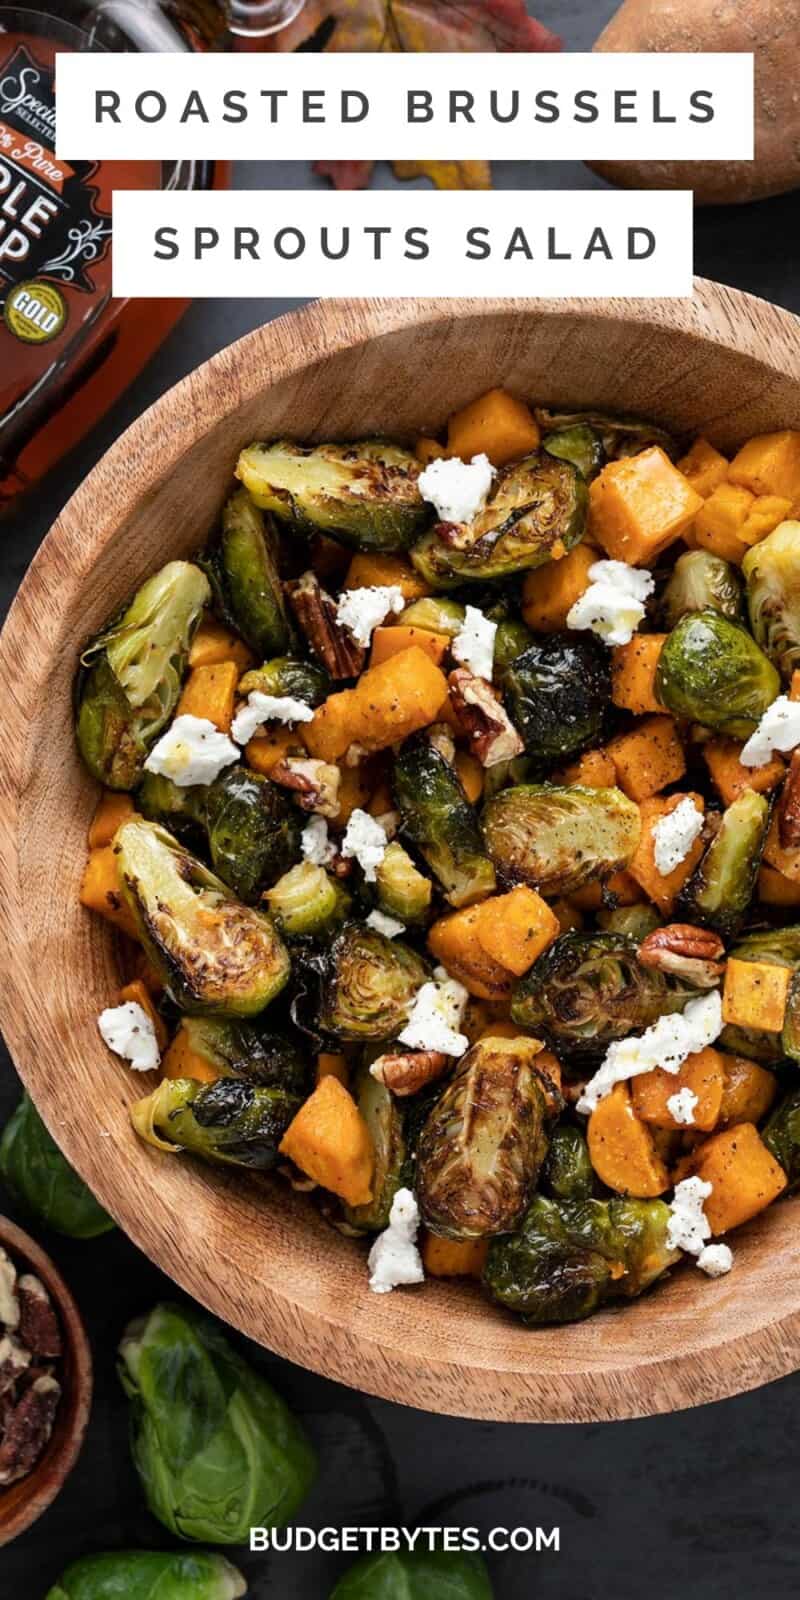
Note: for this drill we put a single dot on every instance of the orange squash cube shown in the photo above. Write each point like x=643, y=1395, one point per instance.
x=730, y=778
x=388, y=642
x=214, y=643
x=593, y=770
x=593, y=896
x=663, y=890
x=770, y=464
x=454, y=940
x=747, y=1092
x=390, y=701
x=515, y=928
x=113, y=809
x=330, y=1142
x=703, y=1073
x=471, y=774
x=427, y=450
x=374, y=570
x=718, y=525
x=453, y=1258
x=267, y=749
x=744, y=1176
x=210, y=692
x=136, y=993
x=332, y=1065
x=355, y=788
x=181, y=1061
x=101, y=890
x=640, y=505
x=497, y=425
x=550, y=592
x=648, y=758
x=766, y=513
x=755, y=994
x=622, y=1149
x=633, y=673
x=776, y=890
x=704, y=467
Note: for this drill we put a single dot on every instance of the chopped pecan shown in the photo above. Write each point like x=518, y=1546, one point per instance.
x=13, y=1361
x=789, y=806
x=491, y=732
x=315, y=611
x=27, y=1428
x=315, y=783
x=38, y=1324
x=685, y=951
x=408, y=1071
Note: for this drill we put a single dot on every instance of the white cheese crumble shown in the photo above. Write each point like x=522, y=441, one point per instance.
x=716, y=1260
x=666, y=1044
x=129, y=1032
x=267, y=708
x=191, y=751
x=458, y=489
x=361, y=611
x=674, y=835
x=315, y=844
x=365, y=839
x=681, y=1106
x=435, y=1017
x=394, y=1258
x=473, y=645
x=388, y=926
x=614, y=603
x=689, y=1228
x=779, y=729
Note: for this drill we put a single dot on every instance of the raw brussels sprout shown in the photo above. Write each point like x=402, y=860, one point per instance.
x=248, y=825
x=781, y=1135
x=243, y=570
x=384, y=1117
x=402, y=890
x=534, y=504
x=589, y=989
x=559, y=838
x=436, y=613
x=308, y=903
x=130, y=677
x=568, y=1173
x=509, y=642
x=578, y=444
x=147, y=1575
x=232, y=1122
x=772, y=574
x=556, y=693
x=439, y=821
x=481, y=1148
x=42, y=1180
x=215, y=955
x=299, y=680
x=711, y=671
x=215, y=1447
x=635, y=922
x=416, y=1575
x=572, y=1256
x=369, y=985
x=701, y=581
x=365, y=494
x=237, y=1049
x=619, y=436
x=721, y=887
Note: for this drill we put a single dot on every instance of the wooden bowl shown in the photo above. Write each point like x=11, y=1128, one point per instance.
x=22, y=1502
x=254, y=1253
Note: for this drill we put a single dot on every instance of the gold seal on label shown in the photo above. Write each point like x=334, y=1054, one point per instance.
x=35, y=312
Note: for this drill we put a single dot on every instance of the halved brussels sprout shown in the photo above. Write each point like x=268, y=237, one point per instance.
x=572, y=1256
x=559, y=838
x=578, y=444
x=781, y=1135
x=721, y=887
x=505, y=774
x=215, y=955
x=712, y=671
x=568, y=1173
x=438, y=819
x=701, y=581
x=635, y=922
x=384, y=1117
x=248, y=825
x=286, y=675
x=509, y=642
x=365, y=494
x=369, y=985
x=230, y=1123
x=533, y=505
x=556, y=694
x=619, y=436
x=402, y=890
x=481, y=1148
x=307, y=902
x=436, y=613
x=180, y=809
x=772, y=573
x=243, y=569
x=237, y=1049
x=130, y=677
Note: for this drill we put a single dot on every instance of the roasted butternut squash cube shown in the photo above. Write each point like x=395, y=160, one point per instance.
x=730, y=778
x=748, y=1091
x=453, y=1258
x=213, y=643
x=390, y=701
x=137, y=993
x=664, y=889
x=388, y=642
x=766, y=513
x=210, y=692
x=621, y=887
x=113, y=809
x=704, y=467
x=373, y=570
x=703, y=1073
x=101, y=890
x=774, y=889
x=266, y=750
x=570, y=917
x=471, y=774
x=640, y=505
x=593, y=770
x=718, y=525
x=428, y=450
x=515, y=928
x=496, y=425
x=770, y=464
x=454, y=940
x=550, y=592
x=355, y=788
x=181, y=1061
x=633, y=673
x=744, y=1176
x=648, y=758
x=330, y=1142
x=622, y=1149
x=755, y=994
x=331, y=1065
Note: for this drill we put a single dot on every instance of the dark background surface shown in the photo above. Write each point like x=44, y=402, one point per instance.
x=707, y=1496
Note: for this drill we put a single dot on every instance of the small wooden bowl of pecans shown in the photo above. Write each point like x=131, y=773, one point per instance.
x=45, y=1381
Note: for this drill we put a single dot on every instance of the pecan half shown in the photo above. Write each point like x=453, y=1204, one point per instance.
x=491, y=732
x=688, y=952
x=789, y=806
x=315, y=611
x=314, y=783
x=38, y=1325
x=407, y=1072
x=28, y=1428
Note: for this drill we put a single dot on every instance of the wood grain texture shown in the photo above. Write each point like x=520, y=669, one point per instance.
x=251, y=1251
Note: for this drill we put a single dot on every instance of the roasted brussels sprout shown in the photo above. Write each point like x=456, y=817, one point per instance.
x=307, y=902
x=559, y=838
x=481, y=1148
x=700, y=581
x=148, y=1575
x=781, y=1135
x=721, y=887
x=384, y=1117
x=238, y=1049
x=181, y=810
x=437, y=613
x=578, y=444
x=438, y=819
x=567, y=1173
x=572, y=1256
x=232, y=1122
x=42, y=1180
x=365, y=494
x=619, y=436
x=286, y=675
x=589, y=989
x=634, y=921
x=253, y=831
x=215, y=955
x=777, y=946
x=790, y=1035
x=243, y=570
x=369, y=985
x=418, y=1574
x=215, y=1447
x=402, y=890
x=130, y=677
x=711, y=671
x=556, y=693
x=506, y=774
x=533, y=505
x=772, y=573
x=509, y=642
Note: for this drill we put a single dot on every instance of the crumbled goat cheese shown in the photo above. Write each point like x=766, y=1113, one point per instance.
x=666, y=1044
x=674, y=835
x=681, y=1106
x=716, y=1260
x=366, y=840
x=394, y=1258
x=458, y=489
x=361, y=611
x=129, y=1032
x=688, y=1227
x=9, y=1304
x=191, y=751
x=267, y=708
x=436, y=1015
x=473, y=645
x=779, y=729
x=388, y=926
x=315, y=844
x=614, y=603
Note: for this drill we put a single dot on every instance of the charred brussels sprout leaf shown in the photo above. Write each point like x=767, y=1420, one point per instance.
x=572, y=1256
x=42, y=1180
x=559, y=838
x=216, y=956
x=509, y=642
x=299, y=680
x=307, y=903
x=130, y=678
x=402, y=890
x=533, y=506
x=217, y=1450
x=149, y=1575
x=556, y=693
x=245, y=1050
x=619, y=436
x=232, y=1122
x=253, y=831
x=781, y=1136
x=416, y=1575
x=578, y=444
x=384, y=1118
x=711, y=671
x=439, y=821
x=721, y=887
x=701, y=581
x=243, y=570
x=365, y=495
x=772, y=574
x=481, y=1148
x=369, y=985
x=567, y=1173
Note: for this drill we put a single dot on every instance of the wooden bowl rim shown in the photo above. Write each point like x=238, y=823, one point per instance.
x=432, y=1376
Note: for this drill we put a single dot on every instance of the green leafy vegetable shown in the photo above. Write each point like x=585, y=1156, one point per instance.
x=712, y=671
x=417, y=1575
x=147, y=1575
x=364, y=494
x=43, y=1181
x=233, y=1122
